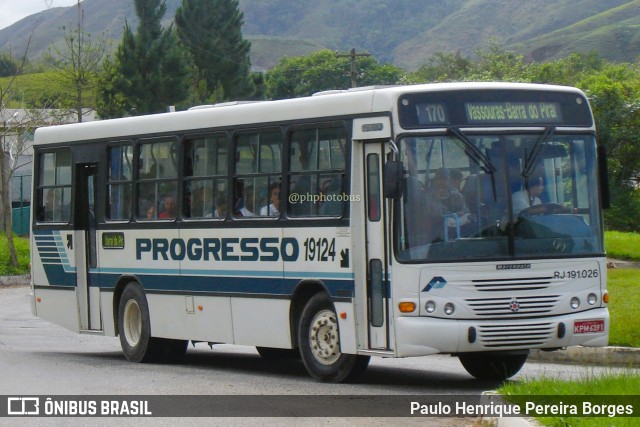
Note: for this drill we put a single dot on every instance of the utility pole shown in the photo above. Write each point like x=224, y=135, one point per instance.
x=353, y=55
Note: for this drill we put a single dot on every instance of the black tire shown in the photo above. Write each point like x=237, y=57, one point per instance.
x=134, y=328
x=269, y=353
x=320, y=344
x=493, y=366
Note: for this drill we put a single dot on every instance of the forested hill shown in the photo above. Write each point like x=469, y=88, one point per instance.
x=404, y=32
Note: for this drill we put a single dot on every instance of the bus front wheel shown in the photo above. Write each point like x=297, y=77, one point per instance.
x=493, y=366
x=134, y=329
x=319, y=342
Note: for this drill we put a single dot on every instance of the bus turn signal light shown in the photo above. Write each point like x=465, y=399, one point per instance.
x=407, y=307
x=605, y=297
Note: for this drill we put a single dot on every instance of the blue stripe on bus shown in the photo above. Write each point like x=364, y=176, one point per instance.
x=254, y=286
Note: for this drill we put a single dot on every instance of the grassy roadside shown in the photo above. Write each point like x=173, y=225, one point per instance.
x=22, y=249
x=624, y=307
x=624, y=246
x=551, y=391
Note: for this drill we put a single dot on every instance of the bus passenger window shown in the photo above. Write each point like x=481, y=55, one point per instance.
x=317, y=169
x=119, y=185
x=205, y=174
x=157, y=183
x=258, y=165
x=54, y=187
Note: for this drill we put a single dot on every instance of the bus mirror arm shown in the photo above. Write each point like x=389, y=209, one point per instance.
x=392, y=178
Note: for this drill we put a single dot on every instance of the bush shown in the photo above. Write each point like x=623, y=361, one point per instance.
x=22, y=249
x=624, y=211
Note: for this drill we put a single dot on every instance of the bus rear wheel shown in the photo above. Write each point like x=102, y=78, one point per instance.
x=134, y=329
x=319, y=342
x=493, y=366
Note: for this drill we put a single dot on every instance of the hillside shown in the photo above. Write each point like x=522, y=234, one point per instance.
x=404, y=32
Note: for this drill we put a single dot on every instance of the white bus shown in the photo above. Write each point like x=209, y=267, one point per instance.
x=460, y=219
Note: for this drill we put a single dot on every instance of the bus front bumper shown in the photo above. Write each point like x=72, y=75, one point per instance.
x=421, y=336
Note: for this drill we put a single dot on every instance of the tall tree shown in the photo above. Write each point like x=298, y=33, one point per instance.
x=212, y=31
x=150, y=71
x=13, y=143
x=78, y=62
x=324, y=70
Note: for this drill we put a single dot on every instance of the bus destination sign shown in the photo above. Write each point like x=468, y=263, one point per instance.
x=513, y=112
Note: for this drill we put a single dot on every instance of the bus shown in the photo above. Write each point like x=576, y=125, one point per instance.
x=461, y=219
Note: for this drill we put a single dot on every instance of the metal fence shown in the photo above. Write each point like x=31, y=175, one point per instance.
x=21, y=202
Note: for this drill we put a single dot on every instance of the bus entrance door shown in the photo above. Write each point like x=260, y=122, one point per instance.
x=84, y=247
x=377, y=254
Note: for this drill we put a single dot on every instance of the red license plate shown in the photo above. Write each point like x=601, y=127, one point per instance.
x=588, y=326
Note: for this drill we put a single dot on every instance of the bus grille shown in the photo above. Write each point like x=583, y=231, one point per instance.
x=513, y=306
x=515, y=335
x=515, y=284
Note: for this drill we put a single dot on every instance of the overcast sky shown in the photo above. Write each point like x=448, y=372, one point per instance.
x=15, y=10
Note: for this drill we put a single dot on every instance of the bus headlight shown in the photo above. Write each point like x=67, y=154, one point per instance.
x=430, y=306
x=592, y=299
x=575, y=302
x=449, y=309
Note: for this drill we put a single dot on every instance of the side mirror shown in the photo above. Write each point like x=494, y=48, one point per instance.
x=392, y=179
x=603, y=171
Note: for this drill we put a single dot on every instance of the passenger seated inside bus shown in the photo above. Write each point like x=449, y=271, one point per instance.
x=333, y=201
x=221, y=207
x=245, y=204
x=151, y=212
x=273, y=208
x=169, y=208
x=448, y=202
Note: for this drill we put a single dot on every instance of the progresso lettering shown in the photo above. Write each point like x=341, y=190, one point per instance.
x=216, y=249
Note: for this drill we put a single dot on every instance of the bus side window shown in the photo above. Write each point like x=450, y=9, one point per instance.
x=119, y=182
x=205, y=175
x=157, y=179
x=258, y=166
x=54, y=187
x=317, y=170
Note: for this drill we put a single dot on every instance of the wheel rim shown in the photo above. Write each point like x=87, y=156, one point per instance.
x=132, y=322
x=323, y=337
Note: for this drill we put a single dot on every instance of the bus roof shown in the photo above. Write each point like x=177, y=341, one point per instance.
x=364, y=100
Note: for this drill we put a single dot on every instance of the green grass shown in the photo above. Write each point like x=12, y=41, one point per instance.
x=624, y=307
x=621, y=245
x=34, y=89
x=612, y=384
x=22, y=249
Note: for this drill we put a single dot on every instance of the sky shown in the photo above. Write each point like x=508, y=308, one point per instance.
x=15, y=10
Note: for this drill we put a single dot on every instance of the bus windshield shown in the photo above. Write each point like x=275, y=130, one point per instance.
x=498, y=196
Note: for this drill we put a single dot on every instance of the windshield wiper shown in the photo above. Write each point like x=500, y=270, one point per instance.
x=535, y=151
x=473, y=151
x=478, y=156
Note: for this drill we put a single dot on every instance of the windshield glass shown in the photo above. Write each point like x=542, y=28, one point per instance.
x=500, y=196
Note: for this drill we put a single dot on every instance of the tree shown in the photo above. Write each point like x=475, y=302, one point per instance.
x=443, y=67
x=12, y=145
x=614, y=93
x=78, y=62
x=8, y=67
x=212, y=31
x=324, y=70
x=149, y=72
